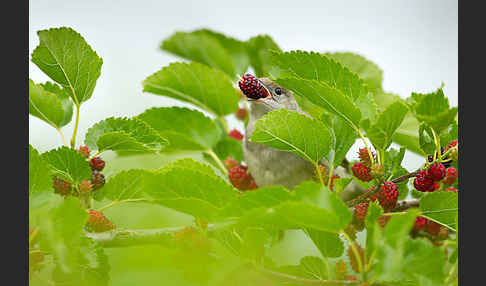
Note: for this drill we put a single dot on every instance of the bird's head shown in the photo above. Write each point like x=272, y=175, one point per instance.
x=265, y=95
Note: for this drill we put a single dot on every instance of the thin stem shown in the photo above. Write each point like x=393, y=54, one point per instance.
x=437, y=145
x=62, y=137
x=319, y=174
x=76, y=123
x=217, y=160
x=356, y=254
x=382, y=162
x=451, y=272
x=95, y=154
x=331, y=169
x=223, y=123
x=289, y=279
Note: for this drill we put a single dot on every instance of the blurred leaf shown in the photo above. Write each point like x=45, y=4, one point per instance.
x=185, y=129
x=50, y=103
x=200, y=46
x=40, y=178
x=236, y=48
x=66, y=58
x=329, y=244
x=258, y=48
x=229, y=147
x=202, y=195
x=124, y=134
x=318, y=67
x=380, y=132
x=441, y=207
x=293, y=132
x=264, y=197
x=91, y=268
x=189, y=163
x=68, y=164
x=368, y=71
x=62, y=231
x=314, y=267
x=254, y=240
x=326, y=97
x=195, y=83
x=341, y=183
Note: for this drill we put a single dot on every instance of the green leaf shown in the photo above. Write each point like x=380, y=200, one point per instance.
x=91, y=266
x=229, y=147
x=368, y=71
x=318, y=67
x=426, y=139
x=381, y=132
x=66, y=58
x=236, y=48
x=259, y=48
x=329, y=244
x=189, y=163
x=293, y=132
x=124, y=134
x=325, y=96
x=254, y=240
x=368, y=106
x=62, y=231
x=68, y=164
x=433, y=109
x=424, y=260
x=200, y=46
x=406, y=134
x=265, y=197
x=314, y=268
x=40, y=179
x=398, y=227
x=373, y=231
x=441, y=207
x=50, y=103
x=125, y=185
x=189, y=191
x=292, y=215
x=450, y=134
x=341, y=183
x=343, y=139
x=195, y=83
x=186, y=129
x=311, y=207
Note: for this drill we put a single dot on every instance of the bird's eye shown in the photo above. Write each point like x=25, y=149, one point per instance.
x=278, y=91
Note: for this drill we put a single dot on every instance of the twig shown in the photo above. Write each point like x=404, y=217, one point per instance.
x=375, y=189
x=130, y=237
x=303, y=281
x=403, y=205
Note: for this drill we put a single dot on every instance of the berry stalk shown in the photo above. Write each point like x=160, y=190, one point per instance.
x=76, y=123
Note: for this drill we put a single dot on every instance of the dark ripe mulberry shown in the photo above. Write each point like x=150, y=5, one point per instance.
x=436, y=171
x=252, y=87
x=97, y=164
x=423, y=182
x=97, y=180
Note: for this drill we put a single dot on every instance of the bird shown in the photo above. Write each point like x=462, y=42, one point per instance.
x=270, y=166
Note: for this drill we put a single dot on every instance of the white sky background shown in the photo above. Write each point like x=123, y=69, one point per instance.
x=414, y=42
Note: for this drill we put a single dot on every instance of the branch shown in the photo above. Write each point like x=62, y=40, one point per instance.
x=403, y=205
x=362, y=198
x=130, y=237
x=303, y=281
